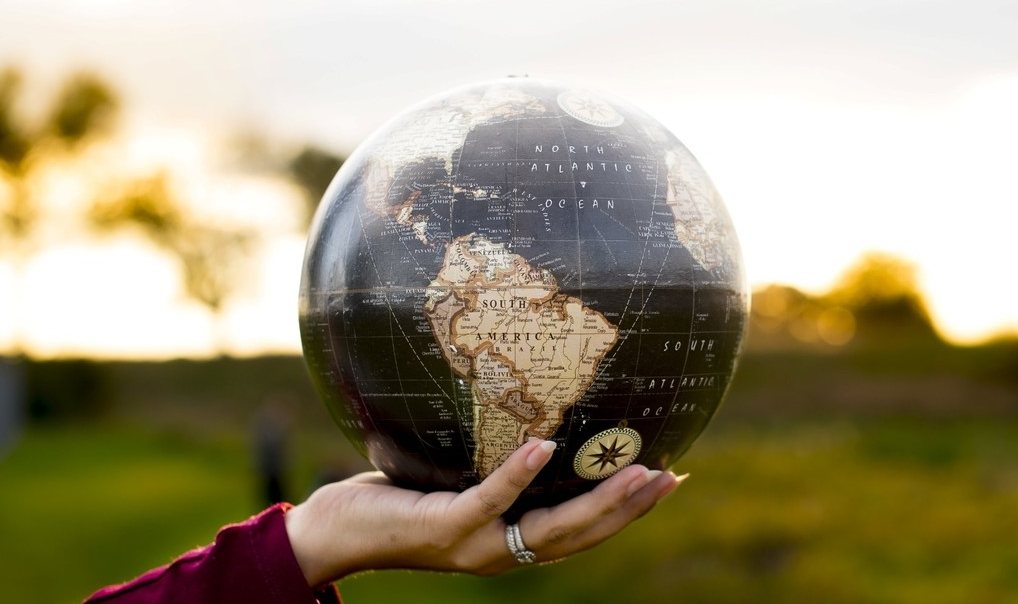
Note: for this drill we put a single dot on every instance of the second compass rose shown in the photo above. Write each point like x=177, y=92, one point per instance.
x=607, y=453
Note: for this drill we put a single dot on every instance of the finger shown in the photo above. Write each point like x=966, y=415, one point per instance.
x=490, y=499
x=638, y=504
x=370, y=478
x=554, y=525
x=589, y=519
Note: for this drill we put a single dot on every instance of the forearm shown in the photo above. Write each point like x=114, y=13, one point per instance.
x=249, y=563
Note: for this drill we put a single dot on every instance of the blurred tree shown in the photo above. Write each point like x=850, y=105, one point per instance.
x=784, y=317
x=882, y=292
x=213, y=257
x=875, y=301
x=83, y=109
x=13, y=143
x=212, y=254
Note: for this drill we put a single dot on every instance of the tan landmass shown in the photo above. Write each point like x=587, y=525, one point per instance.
x=702, y=225
x=528, y=351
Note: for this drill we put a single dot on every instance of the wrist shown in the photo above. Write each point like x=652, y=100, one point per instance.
x=302, y=545
x=337, y=531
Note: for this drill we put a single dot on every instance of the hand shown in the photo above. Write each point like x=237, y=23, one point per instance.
x=366, y=523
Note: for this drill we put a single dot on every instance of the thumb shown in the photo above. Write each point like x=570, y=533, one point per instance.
x=497, y=492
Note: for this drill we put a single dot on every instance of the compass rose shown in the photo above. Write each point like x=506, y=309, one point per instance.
x=607, y=453
x=590, y=109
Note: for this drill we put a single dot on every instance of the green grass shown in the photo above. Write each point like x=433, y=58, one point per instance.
x=874, y=476
x=88, y=505
x=876, y=510
x=806, y=512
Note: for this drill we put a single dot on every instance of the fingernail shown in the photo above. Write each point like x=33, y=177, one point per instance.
x=641, y=481
x=541, y=454
x=680, y=479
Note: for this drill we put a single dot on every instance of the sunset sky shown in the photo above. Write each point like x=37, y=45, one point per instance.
x=830, y=127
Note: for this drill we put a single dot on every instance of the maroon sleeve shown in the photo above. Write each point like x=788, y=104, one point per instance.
x=249, y=563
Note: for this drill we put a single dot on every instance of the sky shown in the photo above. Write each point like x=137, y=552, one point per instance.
x=830, y=127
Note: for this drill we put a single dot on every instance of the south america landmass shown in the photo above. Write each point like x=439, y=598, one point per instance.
x=528, y=351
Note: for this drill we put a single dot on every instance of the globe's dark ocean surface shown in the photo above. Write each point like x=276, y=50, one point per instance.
x=517, y=259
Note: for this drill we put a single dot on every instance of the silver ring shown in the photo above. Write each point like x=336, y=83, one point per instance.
x=515, y=542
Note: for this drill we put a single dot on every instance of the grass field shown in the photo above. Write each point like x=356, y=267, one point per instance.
x=869, y=480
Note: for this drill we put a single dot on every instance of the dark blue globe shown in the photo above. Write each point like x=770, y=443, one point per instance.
x=514, y=259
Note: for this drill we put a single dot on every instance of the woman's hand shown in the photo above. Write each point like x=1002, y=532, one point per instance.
x=366, y=523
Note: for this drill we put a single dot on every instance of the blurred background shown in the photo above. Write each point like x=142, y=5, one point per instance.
x=160, y=161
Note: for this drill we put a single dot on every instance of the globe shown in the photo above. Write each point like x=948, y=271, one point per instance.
x=517, y=259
